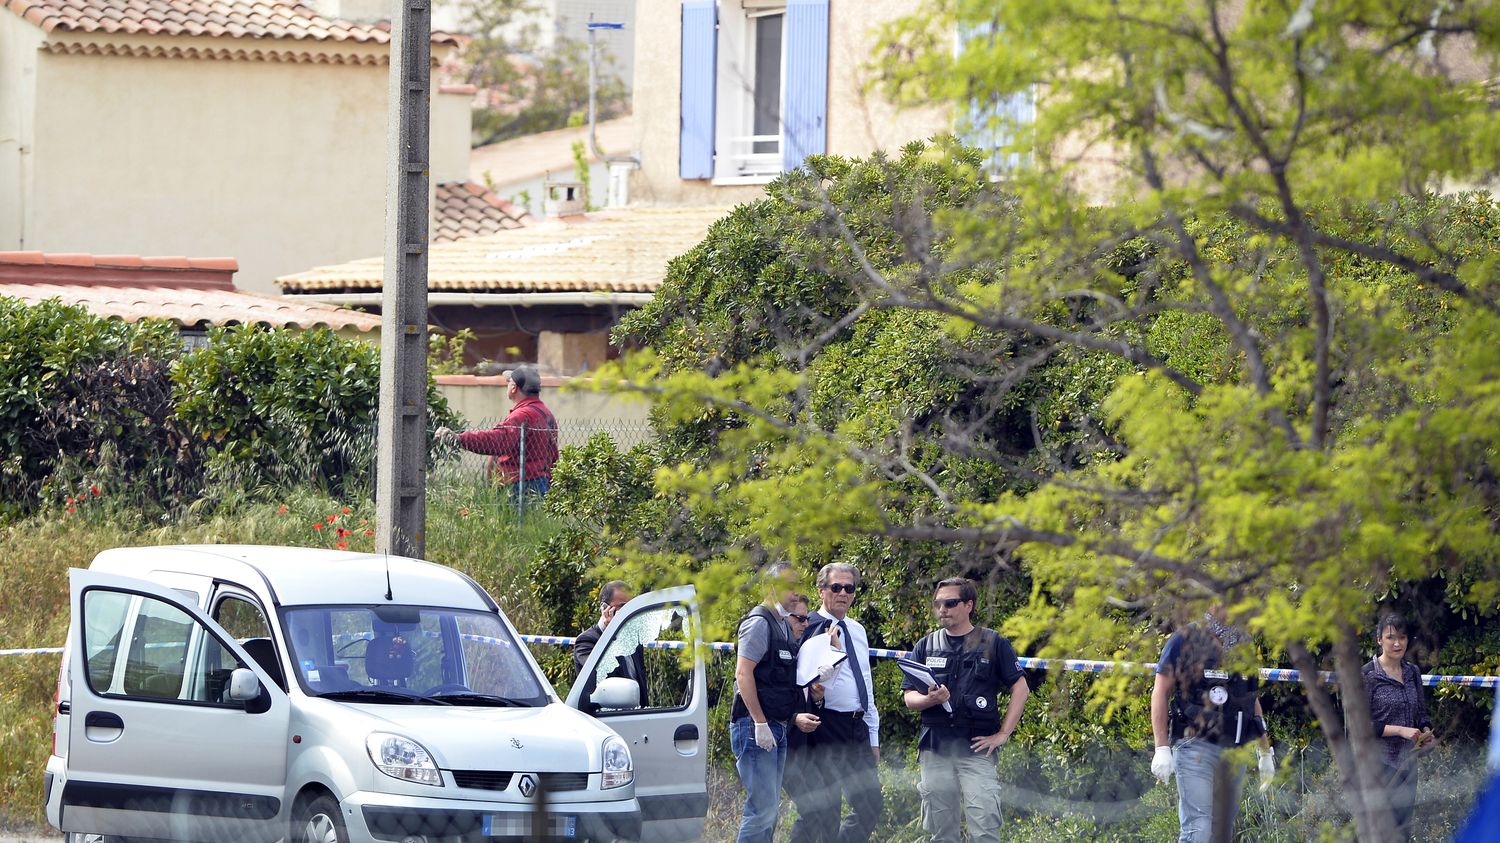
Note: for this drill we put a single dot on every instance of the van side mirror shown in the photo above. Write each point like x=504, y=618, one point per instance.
x=617, y=692
x=244, y=686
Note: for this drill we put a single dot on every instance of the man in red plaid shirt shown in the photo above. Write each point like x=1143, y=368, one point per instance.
x=522, y=447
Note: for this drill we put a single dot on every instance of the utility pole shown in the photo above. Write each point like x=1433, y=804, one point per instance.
x=401, y=454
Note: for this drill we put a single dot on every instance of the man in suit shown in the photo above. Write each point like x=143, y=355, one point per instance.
x=612, y=596
x=843, y=754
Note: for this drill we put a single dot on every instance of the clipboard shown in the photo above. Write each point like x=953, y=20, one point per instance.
x=921, y=674
x=817, y=652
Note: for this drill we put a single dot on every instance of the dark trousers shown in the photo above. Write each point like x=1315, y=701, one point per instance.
x=835, y=763
x=1401, y=790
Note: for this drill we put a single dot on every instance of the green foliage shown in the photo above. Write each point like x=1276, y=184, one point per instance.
x=283, y=408
x=83, y=394
x=445, y=353
x=583, y=173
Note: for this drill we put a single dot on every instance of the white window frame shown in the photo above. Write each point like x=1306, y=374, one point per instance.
x=734, y=138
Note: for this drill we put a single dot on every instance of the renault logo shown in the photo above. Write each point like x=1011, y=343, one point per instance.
x=527, y=786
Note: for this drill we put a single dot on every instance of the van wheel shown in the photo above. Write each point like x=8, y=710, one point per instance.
x=319, y=821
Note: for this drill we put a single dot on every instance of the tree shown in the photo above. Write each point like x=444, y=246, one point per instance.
x=1218, y=343
x=529, y=88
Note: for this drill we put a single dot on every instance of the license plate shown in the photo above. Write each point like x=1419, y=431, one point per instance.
x=519, y=825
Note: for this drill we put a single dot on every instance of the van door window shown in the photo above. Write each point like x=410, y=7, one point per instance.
x=651, y=648
x=170, y=656
x=241, y=618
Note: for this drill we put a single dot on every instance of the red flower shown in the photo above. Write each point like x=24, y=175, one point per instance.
x=369, y=532
x=95, y=490
x=70, y=499
x=332, y=518
x=342, y=545
x=317, y=525
x=281, y=510
x=346, y=510
x=70, y=509
x=342, y=532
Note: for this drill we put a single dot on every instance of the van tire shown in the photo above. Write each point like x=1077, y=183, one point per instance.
x=318, y=820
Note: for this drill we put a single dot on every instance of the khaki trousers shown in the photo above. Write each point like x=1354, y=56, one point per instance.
x=959, y=785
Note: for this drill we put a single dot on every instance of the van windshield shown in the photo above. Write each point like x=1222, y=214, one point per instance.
x=406, y=654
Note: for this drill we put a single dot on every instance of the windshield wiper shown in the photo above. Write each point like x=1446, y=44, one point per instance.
x=475, y=698
x=382, y=695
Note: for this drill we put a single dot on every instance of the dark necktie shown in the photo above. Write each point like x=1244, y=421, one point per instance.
x=859, y=673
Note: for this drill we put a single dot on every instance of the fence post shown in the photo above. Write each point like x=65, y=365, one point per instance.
x=521, y=476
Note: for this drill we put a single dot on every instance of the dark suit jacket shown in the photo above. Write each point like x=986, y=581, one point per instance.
x=583, y=646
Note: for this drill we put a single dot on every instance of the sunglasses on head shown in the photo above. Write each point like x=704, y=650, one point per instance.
x=846, y=587
x=949, y=603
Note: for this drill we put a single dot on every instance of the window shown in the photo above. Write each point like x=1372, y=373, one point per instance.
x=241, y=618
x=169, y=655
x=990, y=122
x=652, y=648
x=754, y=87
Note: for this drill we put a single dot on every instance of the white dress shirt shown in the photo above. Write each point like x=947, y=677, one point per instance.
x=840, y=694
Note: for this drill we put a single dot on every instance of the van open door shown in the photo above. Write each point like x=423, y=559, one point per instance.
x=174, y=731
x=646, y=680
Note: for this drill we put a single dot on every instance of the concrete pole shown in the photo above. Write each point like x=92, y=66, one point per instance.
x=401, y=455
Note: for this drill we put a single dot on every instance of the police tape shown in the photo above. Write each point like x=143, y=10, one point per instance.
x=1269, y=674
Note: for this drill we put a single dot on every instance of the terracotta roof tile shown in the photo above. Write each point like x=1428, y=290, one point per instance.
x=215, y=18
x=465, y=209
x=622, y=251
x=192, y=307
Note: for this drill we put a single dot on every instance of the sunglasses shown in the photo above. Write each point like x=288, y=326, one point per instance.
x=798, y=618
x=949, y=603
x=846, y=587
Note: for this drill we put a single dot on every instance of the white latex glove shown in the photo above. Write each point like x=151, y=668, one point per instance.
x=1161, y=763
x=763, y=737
x=827, y=672
x=1266, y=765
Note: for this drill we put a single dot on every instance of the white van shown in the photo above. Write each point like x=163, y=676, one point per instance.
x=236, y=693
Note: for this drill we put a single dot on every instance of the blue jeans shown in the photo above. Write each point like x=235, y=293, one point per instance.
x=760, y=771
x=1195, y=762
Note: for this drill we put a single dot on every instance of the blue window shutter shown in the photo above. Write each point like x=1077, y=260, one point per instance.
x=699, y=52
x=804, y=113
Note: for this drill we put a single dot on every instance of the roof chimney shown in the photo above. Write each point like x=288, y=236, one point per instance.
x=565, y=198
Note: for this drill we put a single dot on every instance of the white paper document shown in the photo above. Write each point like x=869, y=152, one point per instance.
x=922, y=675
x=816, y=653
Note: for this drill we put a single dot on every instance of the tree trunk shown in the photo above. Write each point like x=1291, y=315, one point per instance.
x=1356, y=752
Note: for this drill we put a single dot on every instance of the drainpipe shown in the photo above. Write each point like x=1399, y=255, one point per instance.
x=617, y=186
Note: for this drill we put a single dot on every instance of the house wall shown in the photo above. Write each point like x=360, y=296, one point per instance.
x=280, y=165
x=18, y=56
x=859, y=121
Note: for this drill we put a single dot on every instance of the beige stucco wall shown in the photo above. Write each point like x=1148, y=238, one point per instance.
x=18, y=43
x=280, y=165
x=859, y=120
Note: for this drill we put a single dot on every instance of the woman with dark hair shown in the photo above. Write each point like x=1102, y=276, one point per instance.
x=1400, y=714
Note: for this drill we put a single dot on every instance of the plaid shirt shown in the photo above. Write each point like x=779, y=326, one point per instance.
x=530, y=428
x=1396, y=704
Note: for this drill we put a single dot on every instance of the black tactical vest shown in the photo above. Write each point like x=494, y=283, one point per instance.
x=775, y=673
x=1210, y=703
x=969, y=673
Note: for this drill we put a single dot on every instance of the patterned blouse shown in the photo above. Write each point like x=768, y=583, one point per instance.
x=1396, y=704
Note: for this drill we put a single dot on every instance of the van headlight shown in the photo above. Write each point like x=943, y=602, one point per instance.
x=402, y=758
x=617, y=769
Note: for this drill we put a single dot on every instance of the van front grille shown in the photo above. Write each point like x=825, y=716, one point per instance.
x=559, y=782
x=483, y=779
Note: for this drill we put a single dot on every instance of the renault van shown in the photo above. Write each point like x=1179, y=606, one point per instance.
x=238, y=693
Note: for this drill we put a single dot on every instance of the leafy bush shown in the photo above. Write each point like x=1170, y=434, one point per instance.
x=72, y=384
x=283, y=408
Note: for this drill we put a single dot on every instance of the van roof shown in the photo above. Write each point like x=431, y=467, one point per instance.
x=299, y=576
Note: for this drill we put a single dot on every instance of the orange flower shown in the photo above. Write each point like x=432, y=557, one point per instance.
x=346, y=510
x=317, y=525
x=70, y=499
x=342, y=545
x=464, y=513
x=281, y=510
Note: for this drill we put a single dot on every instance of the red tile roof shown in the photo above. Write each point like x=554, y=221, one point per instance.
x=212, y=18
x=188, y=291
x=465, y=209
